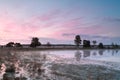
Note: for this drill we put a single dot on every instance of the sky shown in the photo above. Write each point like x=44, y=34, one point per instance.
x=58, y=21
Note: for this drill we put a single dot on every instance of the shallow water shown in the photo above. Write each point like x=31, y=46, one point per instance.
x=28, y=63
x=102, y=55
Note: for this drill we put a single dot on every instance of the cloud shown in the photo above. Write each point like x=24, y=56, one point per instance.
x=40, y=26
x=112, y=19
x=68, y=34
x=48, y=16
x=71, y=23
x=54, y=24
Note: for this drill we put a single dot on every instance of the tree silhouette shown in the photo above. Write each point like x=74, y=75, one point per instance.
x=48, y=44
x=10, y=44
x=77, y=40
x=35, y=42
x=94, y=42
x=86, y=44
x=18, y=45
x=114, y=45
x=100, y=46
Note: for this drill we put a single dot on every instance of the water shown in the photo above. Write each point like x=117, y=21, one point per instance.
x=102, y=55
x=35, y=64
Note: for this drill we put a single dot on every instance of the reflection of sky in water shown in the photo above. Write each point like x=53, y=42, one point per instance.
x=112, y=56
x=103, y=55
x=28, y=62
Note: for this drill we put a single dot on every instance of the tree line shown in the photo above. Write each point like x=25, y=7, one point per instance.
x=86, y=43
x=78, y=41
x=34, y=43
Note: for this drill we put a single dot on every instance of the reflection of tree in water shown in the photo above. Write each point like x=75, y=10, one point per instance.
x=114, y=52
x=86, y=53
x=101, y=52
x=78, y=55
x=94, y=53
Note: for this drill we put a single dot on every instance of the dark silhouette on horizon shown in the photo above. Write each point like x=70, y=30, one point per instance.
x=12, y=44
x=48, y=44
x=100, y=46
x=86, y=44
x=35, y=42
x=94, y=42
x=77, y=40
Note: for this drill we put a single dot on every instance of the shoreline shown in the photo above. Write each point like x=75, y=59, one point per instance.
x=43, y=49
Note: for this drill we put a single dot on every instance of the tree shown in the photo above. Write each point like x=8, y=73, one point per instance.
x=10, y=44
x=114, y=45
x=86, y=44
x=77, y=40
x=18, y=45
x=94, y=42
x=35, y=42
x=100, y=46
x=48, y=44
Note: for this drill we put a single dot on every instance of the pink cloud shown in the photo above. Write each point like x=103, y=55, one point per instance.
x=48, y=16
x=49, y=25
x=72, y=23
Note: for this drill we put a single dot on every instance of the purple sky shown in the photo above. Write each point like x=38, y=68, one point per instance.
x=58, y=21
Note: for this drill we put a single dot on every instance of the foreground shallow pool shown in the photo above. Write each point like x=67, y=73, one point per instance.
x=61, y=65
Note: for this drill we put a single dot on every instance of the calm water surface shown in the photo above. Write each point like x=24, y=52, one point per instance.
x=102, y=55
x=29, y=64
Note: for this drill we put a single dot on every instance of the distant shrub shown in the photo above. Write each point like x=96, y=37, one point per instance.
x=100, y=46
